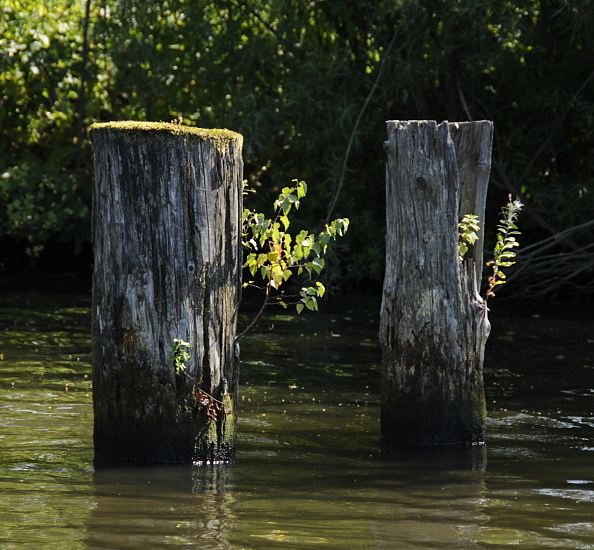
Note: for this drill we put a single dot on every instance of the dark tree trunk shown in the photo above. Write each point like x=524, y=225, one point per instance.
x=434, y=323
x=167, y=228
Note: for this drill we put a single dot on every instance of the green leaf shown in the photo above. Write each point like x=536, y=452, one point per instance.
x=299, y=308
x=262, y=259
x=318, y=264
x=301, y=189
x=277, y=275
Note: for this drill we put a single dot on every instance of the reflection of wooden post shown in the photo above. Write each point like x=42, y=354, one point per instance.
x=167, y=217
x=192, y=506
x=433, y=322
x=402, y=522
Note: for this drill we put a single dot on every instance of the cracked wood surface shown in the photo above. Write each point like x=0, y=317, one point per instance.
x=434, y=324
x=167, y=232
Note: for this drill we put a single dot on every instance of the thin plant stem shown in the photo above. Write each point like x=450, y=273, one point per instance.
x=356, y=128
x=258, y=315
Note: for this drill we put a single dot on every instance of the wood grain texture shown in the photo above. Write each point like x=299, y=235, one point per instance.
x=167, y=231
x=434, y=324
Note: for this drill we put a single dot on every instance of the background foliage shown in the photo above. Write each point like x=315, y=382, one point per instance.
x=293, y=76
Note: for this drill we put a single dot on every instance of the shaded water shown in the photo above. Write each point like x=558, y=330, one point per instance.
x=308, y=471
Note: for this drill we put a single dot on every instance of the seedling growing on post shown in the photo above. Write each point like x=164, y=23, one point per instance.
x=469, y=229
x=181, y=355
x=181, y=360
x=275, y=255
x=503, y=253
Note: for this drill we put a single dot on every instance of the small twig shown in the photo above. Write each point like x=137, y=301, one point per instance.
x=463, y=101
x=555, y=239
x=356, y=128
x=509, y=186
x=258, y=315
x=542, y=275
x=209, y=395
x=202, y=390
x=83, y=73
x=556, y=124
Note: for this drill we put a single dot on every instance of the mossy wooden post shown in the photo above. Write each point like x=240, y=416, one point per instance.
x=434, y=324
x=167, y=232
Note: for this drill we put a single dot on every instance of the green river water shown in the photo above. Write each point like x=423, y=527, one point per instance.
x=308, y=472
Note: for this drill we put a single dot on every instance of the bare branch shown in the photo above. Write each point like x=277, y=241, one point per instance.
x=356, y=128
x=258, y=315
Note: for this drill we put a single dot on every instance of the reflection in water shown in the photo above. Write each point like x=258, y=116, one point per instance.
x=308, y=471
x=158, y=507
x=440, y=497
x=437, y=458
x=355, y=502
x=429, y=509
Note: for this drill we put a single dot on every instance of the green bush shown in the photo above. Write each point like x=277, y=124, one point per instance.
x=293, y=78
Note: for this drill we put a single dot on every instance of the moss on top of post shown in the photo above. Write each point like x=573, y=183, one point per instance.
x=217, y=135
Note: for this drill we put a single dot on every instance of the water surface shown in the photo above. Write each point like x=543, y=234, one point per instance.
x=308, y=470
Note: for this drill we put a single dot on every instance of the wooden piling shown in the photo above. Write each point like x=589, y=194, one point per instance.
x=167, y=232
x=434, y=323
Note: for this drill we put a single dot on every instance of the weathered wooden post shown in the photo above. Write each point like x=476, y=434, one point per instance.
x=167, y=228
x=433, y=322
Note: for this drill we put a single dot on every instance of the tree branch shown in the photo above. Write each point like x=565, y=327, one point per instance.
x=258, y=315
x=82, y=95
x=356, y=128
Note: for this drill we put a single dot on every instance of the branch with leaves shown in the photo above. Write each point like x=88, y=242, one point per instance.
x=503, y=254
x=274, y=255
